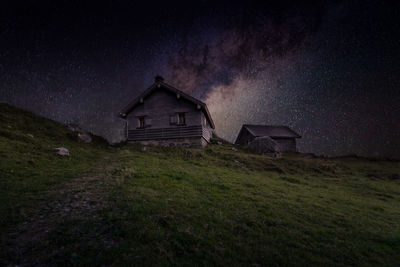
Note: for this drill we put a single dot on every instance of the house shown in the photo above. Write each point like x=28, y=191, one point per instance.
x=268, y=138
x=164, y=115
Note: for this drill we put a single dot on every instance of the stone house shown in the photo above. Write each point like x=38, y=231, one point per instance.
x=164, y=115
x=268, y=138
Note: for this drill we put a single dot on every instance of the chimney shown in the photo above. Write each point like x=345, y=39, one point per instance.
x=158, y=79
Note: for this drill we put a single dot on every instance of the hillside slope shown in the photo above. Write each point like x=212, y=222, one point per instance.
x=29, y=163
x=176, y=206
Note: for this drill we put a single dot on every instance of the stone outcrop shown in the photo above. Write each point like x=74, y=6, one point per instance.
x=79, y=134
x=62, y=151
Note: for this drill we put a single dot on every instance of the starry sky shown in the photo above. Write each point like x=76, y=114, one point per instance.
x=328, y=69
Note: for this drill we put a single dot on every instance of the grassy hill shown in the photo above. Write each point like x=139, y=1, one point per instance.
x=176, y=206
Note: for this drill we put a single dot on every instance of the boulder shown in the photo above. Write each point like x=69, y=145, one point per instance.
x=79, y=134
x=62, y=151
x=264, y=145
x=74, y=127
x=85, y=137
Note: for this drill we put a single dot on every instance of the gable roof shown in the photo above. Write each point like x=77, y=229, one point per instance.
x=271, y=131
x=159, y=83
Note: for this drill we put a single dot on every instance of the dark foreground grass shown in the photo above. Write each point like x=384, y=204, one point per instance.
x=175, y=206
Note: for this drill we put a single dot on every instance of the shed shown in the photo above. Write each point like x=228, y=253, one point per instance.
x=282, y=135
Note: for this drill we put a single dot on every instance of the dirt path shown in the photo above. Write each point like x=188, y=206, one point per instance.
x=70, y=212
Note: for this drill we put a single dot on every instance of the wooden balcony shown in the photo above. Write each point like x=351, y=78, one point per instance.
x=164, y=133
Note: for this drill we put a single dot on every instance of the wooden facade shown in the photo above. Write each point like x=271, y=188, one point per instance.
x=163, y=113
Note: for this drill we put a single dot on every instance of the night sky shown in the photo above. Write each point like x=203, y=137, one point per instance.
x=328, y=69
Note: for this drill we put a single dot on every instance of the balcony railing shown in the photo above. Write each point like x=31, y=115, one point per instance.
x=162, y=133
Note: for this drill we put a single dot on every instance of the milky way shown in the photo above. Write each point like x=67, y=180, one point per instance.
x=327, y=69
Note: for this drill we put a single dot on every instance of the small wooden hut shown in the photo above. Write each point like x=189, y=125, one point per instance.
x=284, y=137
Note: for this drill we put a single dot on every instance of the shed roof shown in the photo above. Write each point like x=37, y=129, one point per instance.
x=159, y=83
x=271, y=131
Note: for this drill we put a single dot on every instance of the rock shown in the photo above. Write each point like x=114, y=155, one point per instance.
x=9, y=126
x=62, y=151
x=74, y=127
x=30, y=135
x=264, y=145
x=234, y=149
x=85, y=137
x=79, y=134
x=219, y=143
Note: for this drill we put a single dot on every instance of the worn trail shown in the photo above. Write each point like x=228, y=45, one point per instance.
x=73, y=205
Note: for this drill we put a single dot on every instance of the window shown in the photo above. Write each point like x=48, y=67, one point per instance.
x=140, y=122
x=172, y=119
x=181, y=119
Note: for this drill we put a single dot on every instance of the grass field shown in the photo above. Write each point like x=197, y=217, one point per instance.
x=130, y=205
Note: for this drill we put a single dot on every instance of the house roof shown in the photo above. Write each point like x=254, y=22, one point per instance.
x=159, y=83
x=271, y=131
